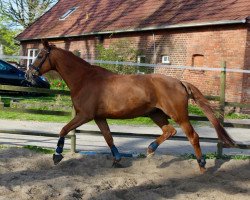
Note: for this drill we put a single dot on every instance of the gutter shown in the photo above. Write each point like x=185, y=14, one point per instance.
x=152, y=28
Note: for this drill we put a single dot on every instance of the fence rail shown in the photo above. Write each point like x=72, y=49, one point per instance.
x=166, y=65
x=220, y=98
x=137, y=64
x=32, y=90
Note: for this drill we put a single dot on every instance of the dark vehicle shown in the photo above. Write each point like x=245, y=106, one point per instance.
x=10, y=75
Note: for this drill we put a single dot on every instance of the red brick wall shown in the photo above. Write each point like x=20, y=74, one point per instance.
x=216, y=44
x=86, y=46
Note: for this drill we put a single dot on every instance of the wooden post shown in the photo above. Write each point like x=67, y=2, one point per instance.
x=1, y=104
x=219, y=149
x=222, y=92
x=73, y=135
x=222, y=102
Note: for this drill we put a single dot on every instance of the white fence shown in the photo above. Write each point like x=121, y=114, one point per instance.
x=134, y=64
x=165, y=65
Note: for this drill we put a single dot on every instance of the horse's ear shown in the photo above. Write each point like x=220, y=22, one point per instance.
x=45, y=43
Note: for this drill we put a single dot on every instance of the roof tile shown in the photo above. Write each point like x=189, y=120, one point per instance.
x=112, y=15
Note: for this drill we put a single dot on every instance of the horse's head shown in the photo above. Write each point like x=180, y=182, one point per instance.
x=42, y=62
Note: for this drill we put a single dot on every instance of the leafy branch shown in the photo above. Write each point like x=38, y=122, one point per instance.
x=24, y=12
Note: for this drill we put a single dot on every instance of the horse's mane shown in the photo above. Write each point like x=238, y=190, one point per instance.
x=81, y=60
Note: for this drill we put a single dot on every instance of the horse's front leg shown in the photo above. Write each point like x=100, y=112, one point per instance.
x=104, y=128
x=78, y=120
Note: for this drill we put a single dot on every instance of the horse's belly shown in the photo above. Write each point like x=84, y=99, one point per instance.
x=124, y=109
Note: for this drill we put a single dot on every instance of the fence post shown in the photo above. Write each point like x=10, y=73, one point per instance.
x=1, y=104
x=219, y=149
x=73, y=135
x=222, y=102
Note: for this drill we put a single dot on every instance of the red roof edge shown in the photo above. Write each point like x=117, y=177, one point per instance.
x=175, y=26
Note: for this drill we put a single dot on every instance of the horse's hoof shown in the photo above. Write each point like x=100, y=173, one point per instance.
x=117, y=165
x=57, y=158
x=150, y=153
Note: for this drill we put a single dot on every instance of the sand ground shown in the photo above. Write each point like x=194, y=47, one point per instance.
x=26, y=175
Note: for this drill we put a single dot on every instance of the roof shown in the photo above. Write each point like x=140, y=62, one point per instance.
x=108, y=16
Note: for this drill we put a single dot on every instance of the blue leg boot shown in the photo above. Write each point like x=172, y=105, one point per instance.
x=152, y=147
x=117, y=157
x=202, y=163
x=57, y=157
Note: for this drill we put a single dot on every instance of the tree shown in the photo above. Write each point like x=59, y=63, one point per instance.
x=6, y=37
x=24, y=12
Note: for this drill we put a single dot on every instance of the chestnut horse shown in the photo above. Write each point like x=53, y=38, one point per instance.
x=98, y=94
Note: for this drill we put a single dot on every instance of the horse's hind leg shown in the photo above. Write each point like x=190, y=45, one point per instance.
x=193, y=137
x=104, y=128
x=161, y=119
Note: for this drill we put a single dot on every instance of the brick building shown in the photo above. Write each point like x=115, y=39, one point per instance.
x=184, y=32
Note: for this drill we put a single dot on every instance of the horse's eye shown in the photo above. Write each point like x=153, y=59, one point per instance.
x=39, y=56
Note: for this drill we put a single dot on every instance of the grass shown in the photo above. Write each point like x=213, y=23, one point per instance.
x=59, y=99
x=64, y=119
x=37, y=149
x=195, y=110
x=136, y=121
x=215, y=156
x=33, y=117
x=3, y=147
x=237, y=116
x=40, y=149
x=50, y=102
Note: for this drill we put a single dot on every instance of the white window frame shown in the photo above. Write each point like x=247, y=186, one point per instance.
x=139, y=58
x=32, y=53
x=68, y=13
x=165, y=59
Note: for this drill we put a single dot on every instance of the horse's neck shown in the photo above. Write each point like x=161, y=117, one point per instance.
x=72, y=70
x=75, y=71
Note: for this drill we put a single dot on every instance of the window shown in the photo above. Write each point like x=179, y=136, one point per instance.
x=141, y=59
x=198, y=60
x=165, y=59
x=143, y=69
x=32, y=53
x=68, y=13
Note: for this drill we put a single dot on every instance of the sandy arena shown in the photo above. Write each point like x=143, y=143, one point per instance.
x=25, y=174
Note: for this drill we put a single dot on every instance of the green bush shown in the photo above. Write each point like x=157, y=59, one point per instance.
x=120, y=51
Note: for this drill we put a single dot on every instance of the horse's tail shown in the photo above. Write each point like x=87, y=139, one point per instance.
x=203, y=103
